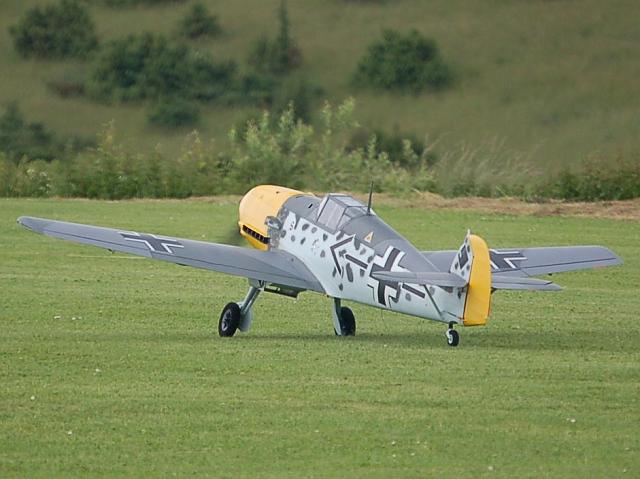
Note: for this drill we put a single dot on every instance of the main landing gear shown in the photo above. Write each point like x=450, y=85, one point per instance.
x=236, y=316
x=344, y=322
x=452, y=335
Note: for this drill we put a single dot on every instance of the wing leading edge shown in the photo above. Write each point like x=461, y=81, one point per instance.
x=277, y=267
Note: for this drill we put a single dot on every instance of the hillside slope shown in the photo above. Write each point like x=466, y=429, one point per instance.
x=551, y=83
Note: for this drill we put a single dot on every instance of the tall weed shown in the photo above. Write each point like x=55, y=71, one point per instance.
x=285, y=150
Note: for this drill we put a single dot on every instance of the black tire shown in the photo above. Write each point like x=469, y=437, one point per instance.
x=347, y=322
x=453, y=338
x=229, y=320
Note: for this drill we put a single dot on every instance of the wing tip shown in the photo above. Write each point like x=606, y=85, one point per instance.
x=31, y=223
x=26, y=221
x=554, y=287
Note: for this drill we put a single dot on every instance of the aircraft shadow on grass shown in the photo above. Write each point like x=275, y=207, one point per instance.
x=591, y=341
x=515, y=340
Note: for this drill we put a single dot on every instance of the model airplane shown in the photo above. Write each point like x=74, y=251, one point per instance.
x=339, y=247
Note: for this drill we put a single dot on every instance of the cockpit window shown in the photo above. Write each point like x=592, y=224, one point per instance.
x=331, y=213
x=337, y=210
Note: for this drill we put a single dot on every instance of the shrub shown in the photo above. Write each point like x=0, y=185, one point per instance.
x=131, y=3
x=149, y=66
x=211, y=81
x=277, y=56
x=18, y=138
x=270, y=152
x=290, y=152
x=295, y=94
x=409, y=62
x=199, y=22
x=255, y=89
x=7, y=176
x=173, y=112
x=283, y=149
x=61, y=30
x=596, y=181
x=138, y=67
x=299, y=93
x=261, y=56
x=109, y=172
x=404, y=150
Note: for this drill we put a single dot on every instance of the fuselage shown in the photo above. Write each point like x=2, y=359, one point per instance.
x=344, y=245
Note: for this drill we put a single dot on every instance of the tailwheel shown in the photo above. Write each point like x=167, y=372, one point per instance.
x=229, y=320
x=452, y=336
x=347, y=322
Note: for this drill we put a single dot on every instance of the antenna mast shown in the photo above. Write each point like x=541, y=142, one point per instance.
x=370, y=196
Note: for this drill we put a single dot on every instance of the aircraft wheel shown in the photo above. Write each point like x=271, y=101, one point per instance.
x=347, y=322
x=229, y=320
x=452, y=337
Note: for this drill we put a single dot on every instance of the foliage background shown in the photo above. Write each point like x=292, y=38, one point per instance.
x=554, y=84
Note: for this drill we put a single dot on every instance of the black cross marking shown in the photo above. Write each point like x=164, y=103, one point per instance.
x=155, y=244
x=383, y=284
x=333, y=249
x=463, y=256
x=356, y=261
x=504, y=259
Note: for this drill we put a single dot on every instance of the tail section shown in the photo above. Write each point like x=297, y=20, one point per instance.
x=473, y=265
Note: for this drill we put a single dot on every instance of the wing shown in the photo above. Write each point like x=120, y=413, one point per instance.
x=277, y=267
x=509, y=264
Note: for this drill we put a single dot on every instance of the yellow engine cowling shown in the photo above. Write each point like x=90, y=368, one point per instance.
x=478, y=300
x=259, y=203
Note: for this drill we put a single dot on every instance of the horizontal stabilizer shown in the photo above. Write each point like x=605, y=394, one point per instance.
x=535, y=261
x=517, y=283
x=447, y=280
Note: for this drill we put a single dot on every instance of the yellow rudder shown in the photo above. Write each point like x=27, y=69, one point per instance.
x=478, y=301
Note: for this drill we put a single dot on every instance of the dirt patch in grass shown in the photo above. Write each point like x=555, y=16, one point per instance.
x=629, y=209
x=623, y=210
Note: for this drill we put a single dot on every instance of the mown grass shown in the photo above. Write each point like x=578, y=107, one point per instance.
x=110, y=365
x=555, y=82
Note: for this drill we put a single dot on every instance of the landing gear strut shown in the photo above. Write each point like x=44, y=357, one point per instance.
x=344, y=322
x=452, y=335
x=236, y=316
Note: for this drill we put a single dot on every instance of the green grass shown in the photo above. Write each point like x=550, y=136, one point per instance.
x=110, y=366
x=555, y=82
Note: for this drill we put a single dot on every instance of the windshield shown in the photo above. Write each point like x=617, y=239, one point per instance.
x=337, y=210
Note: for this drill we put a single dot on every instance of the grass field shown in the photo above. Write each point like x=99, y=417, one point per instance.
x=110, y=366
x=552, y=82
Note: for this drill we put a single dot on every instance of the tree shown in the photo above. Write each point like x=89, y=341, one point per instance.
x=62, y=30
x=399, y=61
x=280, y=55
x=199, y=22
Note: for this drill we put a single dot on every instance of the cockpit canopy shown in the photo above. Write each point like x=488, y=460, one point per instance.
x=336, y=210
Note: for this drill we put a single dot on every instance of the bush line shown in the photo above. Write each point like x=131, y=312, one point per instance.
x=285, y=150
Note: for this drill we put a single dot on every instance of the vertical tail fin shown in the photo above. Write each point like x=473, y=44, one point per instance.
x=472, y=264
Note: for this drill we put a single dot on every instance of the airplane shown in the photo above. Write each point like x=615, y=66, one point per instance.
x=339, y=247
